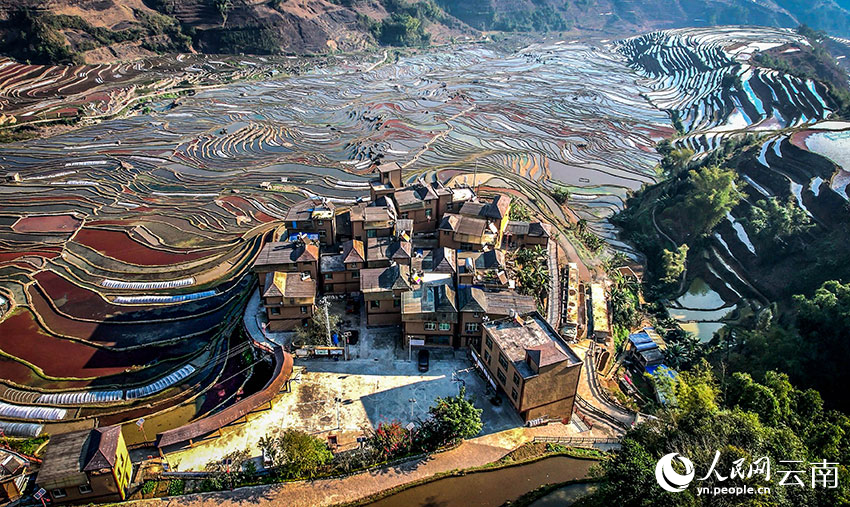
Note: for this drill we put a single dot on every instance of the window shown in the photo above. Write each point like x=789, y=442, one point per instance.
x=303, y=309
x=488, y=342
x=355, y=275
x=514, y=394
x=371, y=233
x=354, y=265
x=321, y=222
x=501, y=376
x=292, y=301
x=396, y=303
x=404, y=216
x=503, y=361
x=329, y=287
x=471, y=327
x=486, y=357
x=329, y=276
x=374, y=304
x=428, y=214
x=85, y=489
x=516, y=379
x=445, y=326
x=59, y=493
x=445, y=233
x=430, y=326
x=450, y=206
x=275, y=311
x=476, y=315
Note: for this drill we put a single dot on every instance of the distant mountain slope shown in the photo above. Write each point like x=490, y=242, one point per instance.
x=55, y=31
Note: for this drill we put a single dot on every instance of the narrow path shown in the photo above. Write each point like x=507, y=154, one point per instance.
x=553, y=313
x=324, y=492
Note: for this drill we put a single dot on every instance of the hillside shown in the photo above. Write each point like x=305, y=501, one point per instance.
x=101, y=31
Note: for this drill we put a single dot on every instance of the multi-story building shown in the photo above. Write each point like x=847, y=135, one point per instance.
x=382, y=289
x=289, y=257
x=525, y=234
x=314, y=217
x=341, y=271
x=478, y=306
x=388, y=182
x=375, y=220
x=289, y=300
x=463, y=232
x=524, y=357
x=429, y=311
x=87, y=466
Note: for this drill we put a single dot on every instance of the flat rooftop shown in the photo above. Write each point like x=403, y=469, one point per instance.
x=533, y=334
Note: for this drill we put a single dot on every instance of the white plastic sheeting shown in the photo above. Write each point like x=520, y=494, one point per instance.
x=80, y=398
x=118, y=284
x=30, y=412
x=16, y=429
x=161, y=384
x=179, y=298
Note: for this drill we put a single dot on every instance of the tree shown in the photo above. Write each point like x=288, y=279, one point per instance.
x=519, y=211
x=316, y=330
x=561, y=194
x=296, y=454
x=223, y=7
x=452, y=418
x=674, y=264
x=391, y=440
x=712, y=194
x=776, y=222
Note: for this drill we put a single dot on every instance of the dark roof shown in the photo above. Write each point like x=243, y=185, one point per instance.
x=546, y=354
x=491, y=259
x=390, y=166
x=435, y=295
x=64, y=457
x=463, y=224
x=414, y=194
x=517, y=228
x=500, y=207
x=496, y=210
x=497, y=304
x=539, y=229
x=103, y=448
x=352, y=251
x=289, y=252
x=443, y=260
x=331, y=263
x=303, y=210
x=379, y=249
x=381, y=279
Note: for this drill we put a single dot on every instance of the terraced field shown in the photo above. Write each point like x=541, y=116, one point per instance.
x=126, y=246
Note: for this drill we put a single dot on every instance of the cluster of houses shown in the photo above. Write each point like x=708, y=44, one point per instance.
x=425, y=256
x=430, y=259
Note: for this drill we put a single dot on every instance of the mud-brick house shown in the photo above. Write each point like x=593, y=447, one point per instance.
x=381, y=252
x=478, y=306
x=88, y=466
x=315, y=218
x=289, y=300
x=525, y=234
x=340, y=272
x=483, y=269
x=287, y=257
x=524, y=357
x=429, y=311
x=388, y=182
x=382, y=289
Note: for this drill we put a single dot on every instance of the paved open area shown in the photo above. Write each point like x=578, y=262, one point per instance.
x=344, y=399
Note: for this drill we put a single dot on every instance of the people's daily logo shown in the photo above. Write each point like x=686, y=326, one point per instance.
x=668, y=478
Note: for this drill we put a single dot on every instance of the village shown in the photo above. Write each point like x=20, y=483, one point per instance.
x=372, y=311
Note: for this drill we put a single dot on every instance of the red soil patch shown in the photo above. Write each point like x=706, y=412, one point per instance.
x=120, y=246
x=47, y=223
x=21, y=337
x=47, y=253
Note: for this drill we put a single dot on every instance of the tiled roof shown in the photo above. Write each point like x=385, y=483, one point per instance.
x=289, y=252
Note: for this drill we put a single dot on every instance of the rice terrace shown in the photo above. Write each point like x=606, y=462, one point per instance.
x=142, y=202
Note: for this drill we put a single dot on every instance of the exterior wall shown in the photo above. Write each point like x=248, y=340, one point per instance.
x=421, y=223
x=357, y=230
x=470, y=338
x=341, y=282
x=123, y=471
x=551, y=393
x=524, y=240
x=433, y=338
x=103, y=489
x=387, y=313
